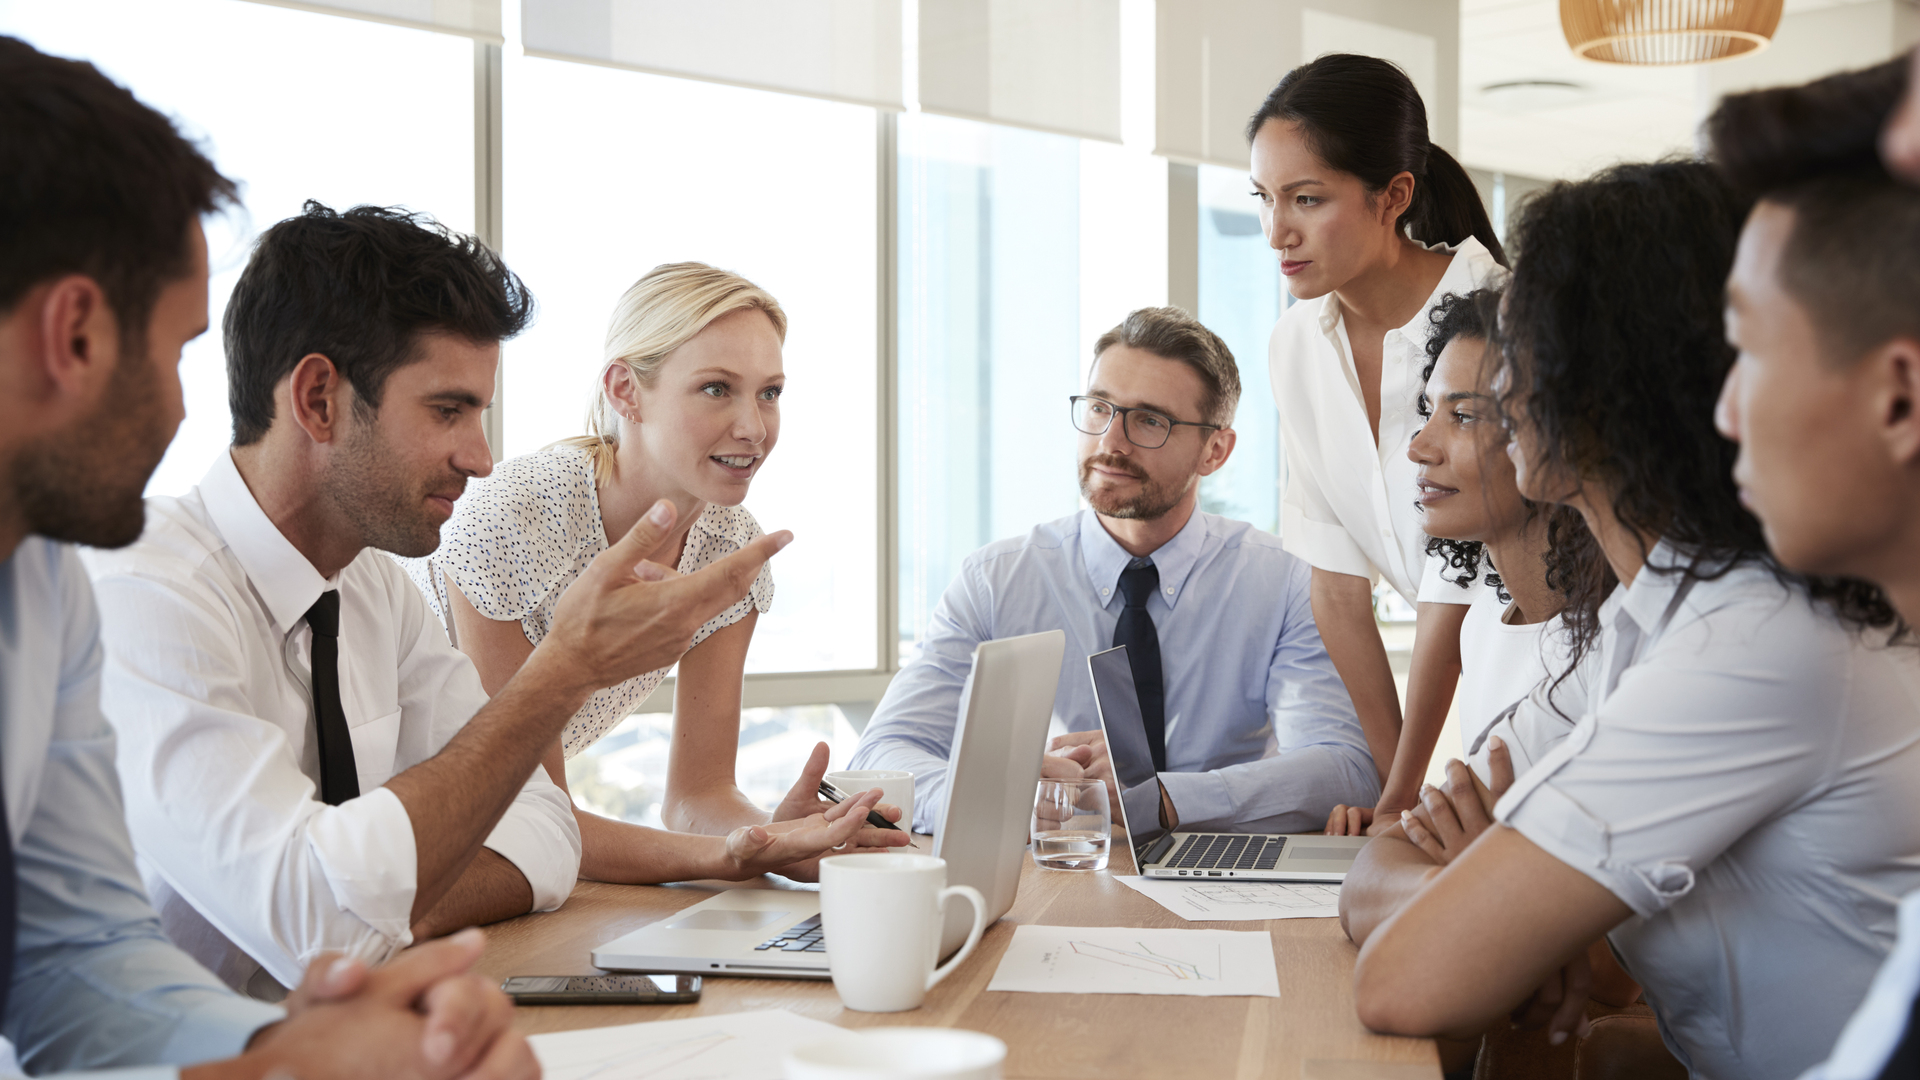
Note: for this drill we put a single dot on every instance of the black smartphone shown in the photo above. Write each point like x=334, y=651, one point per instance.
x=602, y=989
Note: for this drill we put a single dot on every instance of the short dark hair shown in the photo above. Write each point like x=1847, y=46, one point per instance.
x=1619, y=371
x=94, y=183
x=358, y=288
x=1853, y=257
x=1363, y=116
x=1172, y=334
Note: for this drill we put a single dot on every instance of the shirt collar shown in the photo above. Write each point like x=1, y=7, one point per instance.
x=1654, y=590
x=1470, y=264
x=282, y=577
x=1105, y=558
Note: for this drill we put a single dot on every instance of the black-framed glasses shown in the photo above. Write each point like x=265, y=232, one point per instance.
x=1144, y=428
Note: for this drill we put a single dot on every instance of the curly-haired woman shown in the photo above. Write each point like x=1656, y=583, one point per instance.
x=1513, y=643
x=1740, y=803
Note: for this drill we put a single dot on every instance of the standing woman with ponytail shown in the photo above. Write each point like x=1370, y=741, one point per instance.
x=1373, y=225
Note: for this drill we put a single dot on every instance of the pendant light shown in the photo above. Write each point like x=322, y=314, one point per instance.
x=1668, y=31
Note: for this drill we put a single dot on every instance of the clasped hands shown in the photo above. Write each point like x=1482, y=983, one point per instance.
x=1444, y=824
x=425, y=1015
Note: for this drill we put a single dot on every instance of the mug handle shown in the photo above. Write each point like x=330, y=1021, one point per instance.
x=972, y=896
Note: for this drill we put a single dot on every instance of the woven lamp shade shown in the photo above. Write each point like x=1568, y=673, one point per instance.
x=1668, y=31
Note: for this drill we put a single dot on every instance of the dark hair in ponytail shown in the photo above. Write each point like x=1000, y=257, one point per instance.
x=1362, y=115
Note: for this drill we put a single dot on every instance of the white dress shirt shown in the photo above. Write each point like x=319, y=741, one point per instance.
x=1507, y=688
x=1349, y=504
x=208, y=685
x=96, y=985
x=1747, y=781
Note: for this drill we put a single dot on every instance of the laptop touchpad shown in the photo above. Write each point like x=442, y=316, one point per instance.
x=728, y=919
x=1339, y=855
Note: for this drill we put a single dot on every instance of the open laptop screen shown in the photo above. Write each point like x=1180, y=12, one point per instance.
x=1119, y=706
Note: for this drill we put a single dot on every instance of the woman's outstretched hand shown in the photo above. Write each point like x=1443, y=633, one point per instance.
x=778, y=845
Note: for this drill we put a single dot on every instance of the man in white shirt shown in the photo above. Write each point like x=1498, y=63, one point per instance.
x=309, y=764
x=102, y=279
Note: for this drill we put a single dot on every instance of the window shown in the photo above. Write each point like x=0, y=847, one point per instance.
x=1241, y=297
x=624, y=775
x=989, y=349
x=1016, y=250
x=305, y=106
x=610, y=173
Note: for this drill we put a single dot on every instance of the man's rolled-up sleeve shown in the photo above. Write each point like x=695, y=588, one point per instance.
x=540, y=836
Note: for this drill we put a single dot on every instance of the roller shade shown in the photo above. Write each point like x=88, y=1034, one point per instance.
x=1047, y=64
x=1215, y=61
x=479, y=19
x=843, y=50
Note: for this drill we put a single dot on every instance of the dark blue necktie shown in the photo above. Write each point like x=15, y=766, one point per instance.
x=1136, y=631
x=339, y=779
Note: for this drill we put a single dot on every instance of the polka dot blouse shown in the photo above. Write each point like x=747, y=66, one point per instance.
x=519, y=537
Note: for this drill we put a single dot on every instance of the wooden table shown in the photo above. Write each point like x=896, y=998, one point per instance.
x=1309, y=1033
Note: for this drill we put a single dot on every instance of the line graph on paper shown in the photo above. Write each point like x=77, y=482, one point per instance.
x=1229, y=894
x=1137, y=960
x=1143, y=960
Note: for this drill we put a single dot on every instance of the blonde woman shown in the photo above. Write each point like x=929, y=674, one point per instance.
x=687, y=409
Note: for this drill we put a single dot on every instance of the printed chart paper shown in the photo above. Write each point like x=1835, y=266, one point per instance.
x=1237, y=901
x=738, y=1046
x=1124, y=960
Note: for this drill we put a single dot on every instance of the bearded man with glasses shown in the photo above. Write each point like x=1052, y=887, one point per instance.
x=1250, y=726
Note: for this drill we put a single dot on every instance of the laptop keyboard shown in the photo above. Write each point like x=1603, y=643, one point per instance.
x=803, y=936
x=1227, y=851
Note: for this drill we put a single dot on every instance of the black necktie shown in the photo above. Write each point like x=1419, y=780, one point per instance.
x=339, y=780
x=1135, y=631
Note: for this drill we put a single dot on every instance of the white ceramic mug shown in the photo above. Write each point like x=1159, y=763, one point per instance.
x=896, y=788
x=900, y=1053
x=882, y=915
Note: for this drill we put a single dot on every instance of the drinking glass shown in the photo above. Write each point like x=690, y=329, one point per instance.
x=1071, y=825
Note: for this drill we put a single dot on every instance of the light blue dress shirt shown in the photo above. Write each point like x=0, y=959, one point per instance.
x=1261, y=734
x=95, y=983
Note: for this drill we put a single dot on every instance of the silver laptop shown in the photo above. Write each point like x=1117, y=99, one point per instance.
x=1164, y=854
x=982, y=833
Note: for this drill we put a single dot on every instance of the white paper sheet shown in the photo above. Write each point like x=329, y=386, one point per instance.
x=1237, y=901
x=1123, y=960
x=737, y=1046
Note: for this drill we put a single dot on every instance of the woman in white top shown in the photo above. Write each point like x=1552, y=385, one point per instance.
x=1824, y=305
x=1513, y=706
x=1513, y=644
x=1740, y=804
x=1373, y=225
x=688, y=408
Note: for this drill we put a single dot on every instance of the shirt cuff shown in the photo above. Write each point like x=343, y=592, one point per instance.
x=365, y=848
x=538, y=848
x=1323, y=546
x=1199, y=798
x=1568, y=831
